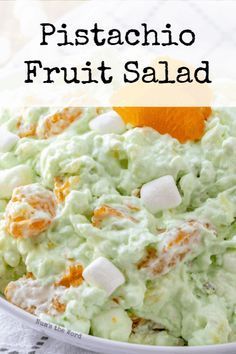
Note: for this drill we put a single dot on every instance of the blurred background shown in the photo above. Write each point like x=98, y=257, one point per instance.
x=213, y=21
x=19, y=23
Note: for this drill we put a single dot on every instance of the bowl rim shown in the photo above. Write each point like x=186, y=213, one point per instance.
x=30, y=320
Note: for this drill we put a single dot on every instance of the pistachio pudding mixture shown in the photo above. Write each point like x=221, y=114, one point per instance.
x=119, y=231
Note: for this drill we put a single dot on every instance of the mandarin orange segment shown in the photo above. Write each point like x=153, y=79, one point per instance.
x=103, y=212
x=150, y=256
x=25, y=130
x=62, y=187
x=30, y=211
x=35, y=294
x=73, y=277
x=106, y=211
x=173, y=248
x=58, y=306
x=56, y=123
x=182, y=123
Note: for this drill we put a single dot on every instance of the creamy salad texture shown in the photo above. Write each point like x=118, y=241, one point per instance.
x=88, y=243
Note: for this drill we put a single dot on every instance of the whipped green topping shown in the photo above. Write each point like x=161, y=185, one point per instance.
x=194, y=301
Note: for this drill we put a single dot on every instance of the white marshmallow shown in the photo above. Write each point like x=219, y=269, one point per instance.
x=160, y=194
x=108, y=123
x=7, y=140
x=103, y=274
x=12, y=178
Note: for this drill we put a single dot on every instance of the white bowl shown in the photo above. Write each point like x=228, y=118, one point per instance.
x=106, y=346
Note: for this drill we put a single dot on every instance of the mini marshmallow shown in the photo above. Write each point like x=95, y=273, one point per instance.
x=7, y=140
x=108, y=123
x=160, y=194
x=14, y=177
x=103, y=274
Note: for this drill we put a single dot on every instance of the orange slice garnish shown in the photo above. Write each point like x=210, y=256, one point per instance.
x=182, y=123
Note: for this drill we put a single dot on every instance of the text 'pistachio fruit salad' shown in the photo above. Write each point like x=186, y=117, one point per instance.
x=120, y=222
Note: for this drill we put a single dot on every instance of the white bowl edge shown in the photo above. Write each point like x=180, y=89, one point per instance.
x=106, y=346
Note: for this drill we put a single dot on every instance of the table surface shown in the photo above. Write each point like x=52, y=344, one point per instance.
x=16, y=338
